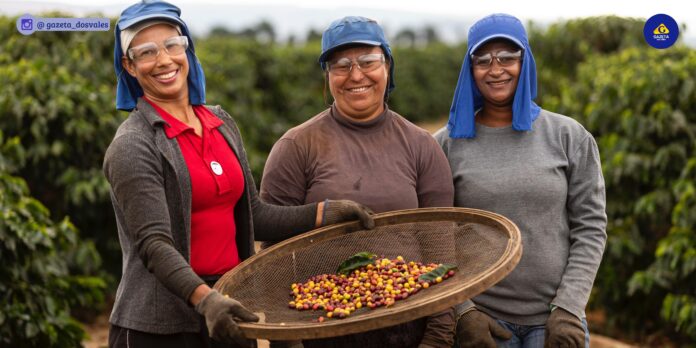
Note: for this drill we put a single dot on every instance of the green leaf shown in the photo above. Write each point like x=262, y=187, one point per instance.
x=30, y=330
x=439, y=271
x=356, y=261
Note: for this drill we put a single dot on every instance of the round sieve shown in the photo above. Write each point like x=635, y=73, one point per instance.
x=485, y=247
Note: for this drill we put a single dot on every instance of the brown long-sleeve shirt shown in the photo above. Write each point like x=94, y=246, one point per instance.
x=387, y=164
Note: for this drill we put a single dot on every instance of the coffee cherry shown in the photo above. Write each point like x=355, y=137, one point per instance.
x=379, y=284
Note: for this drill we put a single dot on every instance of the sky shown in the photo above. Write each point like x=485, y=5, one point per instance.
x=451, y=18
x=535, y=8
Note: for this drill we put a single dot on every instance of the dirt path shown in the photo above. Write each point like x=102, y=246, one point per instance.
x=99, y=333
x=433, y=126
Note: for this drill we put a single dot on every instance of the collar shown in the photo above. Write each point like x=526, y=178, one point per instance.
x=173, y=126
x=373, y=124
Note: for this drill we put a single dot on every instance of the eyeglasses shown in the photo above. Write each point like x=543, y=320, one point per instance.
x=504, y=58
x=366, y=63
x=149, y=51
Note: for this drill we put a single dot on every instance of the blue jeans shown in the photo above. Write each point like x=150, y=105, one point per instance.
x=530, y=336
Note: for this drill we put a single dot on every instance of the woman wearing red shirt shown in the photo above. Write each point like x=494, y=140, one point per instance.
x=186, y=205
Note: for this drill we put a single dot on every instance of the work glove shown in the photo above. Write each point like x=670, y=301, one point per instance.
x=221, y=314
x=564, y=329
x=345, y=210
x=477, y=329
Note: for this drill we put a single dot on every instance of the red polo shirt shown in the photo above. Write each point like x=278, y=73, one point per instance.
x=217, y=184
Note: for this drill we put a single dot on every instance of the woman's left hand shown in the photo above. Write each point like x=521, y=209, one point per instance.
x=564, y=329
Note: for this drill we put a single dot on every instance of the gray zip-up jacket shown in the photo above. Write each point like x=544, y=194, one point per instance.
x=151, y=195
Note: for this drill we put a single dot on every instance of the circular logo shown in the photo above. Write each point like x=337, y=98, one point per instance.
x=216, y=167
x=661, y=31
x=25, y=24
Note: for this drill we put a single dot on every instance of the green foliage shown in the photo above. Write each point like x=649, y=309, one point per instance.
x=563, y=45
x=644, y=119
x=559, y=48
x=58, y=117
x=58, y=98
x=425, y=78
x=46, y=268
x=438, y=272
x=356, y=261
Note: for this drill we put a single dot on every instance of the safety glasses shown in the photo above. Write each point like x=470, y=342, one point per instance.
x=149, y=51
x=365, y=63
x=504, y=58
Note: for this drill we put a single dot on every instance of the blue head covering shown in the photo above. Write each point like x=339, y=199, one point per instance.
x=128, y=89
x=355, y=30
x=467, y=98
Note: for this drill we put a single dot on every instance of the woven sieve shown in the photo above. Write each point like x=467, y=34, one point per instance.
x=485, y=247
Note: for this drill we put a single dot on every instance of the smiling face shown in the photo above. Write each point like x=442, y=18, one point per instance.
x=163, y=79
x=497, y=83
x=359, y=95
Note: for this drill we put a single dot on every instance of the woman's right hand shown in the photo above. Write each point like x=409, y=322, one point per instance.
x=345, y=210
x=221, y=314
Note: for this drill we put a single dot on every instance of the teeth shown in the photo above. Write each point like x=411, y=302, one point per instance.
x=359, y=89
x=167, y=75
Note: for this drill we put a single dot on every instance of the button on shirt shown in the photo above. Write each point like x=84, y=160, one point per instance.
x=217, y=184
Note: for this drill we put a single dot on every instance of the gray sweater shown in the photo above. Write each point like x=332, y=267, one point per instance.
x=151, y=194
x=549, y=182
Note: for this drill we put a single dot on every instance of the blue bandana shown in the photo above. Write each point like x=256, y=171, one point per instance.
x=128, y=89
x=467, y=98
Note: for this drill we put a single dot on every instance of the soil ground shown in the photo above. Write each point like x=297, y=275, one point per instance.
x=98, y=332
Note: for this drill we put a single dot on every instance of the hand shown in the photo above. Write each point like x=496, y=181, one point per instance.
x=220, y=313
x=345, y=210
x=564, y=329
x=477, y=329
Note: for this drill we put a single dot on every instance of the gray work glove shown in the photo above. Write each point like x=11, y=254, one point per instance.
x=345, y=210
x=477, y=329
x=564, y=329
x=221, y=313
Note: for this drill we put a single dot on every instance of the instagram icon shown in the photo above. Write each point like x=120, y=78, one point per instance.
x=25, y=24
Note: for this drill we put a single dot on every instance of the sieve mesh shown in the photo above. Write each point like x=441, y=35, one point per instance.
x=479, y=243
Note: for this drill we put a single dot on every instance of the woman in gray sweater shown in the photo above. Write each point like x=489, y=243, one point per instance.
x=540, y=169
x=185, y=202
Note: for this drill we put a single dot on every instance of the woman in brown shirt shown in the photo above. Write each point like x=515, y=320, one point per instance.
x=360, y=150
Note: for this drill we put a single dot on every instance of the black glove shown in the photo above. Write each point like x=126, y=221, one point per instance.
x=220, y=313
x=476, y=329
x=345, y=210
x=564, y=329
